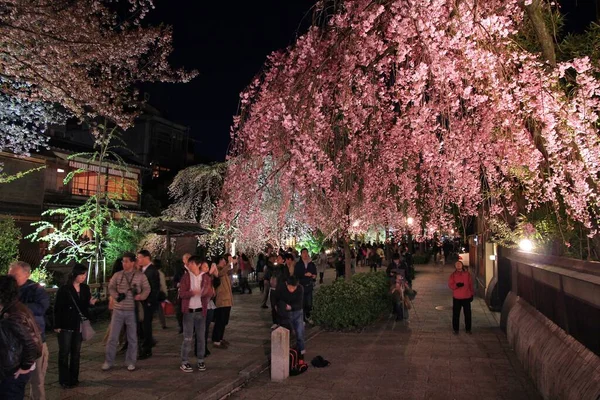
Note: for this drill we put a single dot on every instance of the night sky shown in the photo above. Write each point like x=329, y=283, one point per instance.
x=227, y=42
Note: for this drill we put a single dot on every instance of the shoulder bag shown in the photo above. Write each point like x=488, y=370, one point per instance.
x=87, y=332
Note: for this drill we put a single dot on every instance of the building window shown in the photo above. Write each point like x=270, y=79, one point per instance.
x=85, y=183
x=118, y=188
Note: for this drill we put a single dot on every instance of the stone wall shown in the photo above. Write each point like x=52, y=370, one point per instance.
x=552, y=320
x=560, y=366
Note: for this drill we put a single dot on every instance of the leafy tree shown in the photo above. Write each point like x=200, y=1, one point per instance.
x=10, y=236
x=121, y=236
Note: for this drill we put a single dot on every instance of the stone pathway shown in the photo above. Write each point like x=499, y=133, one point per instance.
x=159, y=377
x=418, y=360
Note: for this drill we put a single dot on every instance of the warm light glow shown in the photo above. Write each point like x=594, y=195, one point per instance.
x=526, y=245
x=60, y=170
x=493, y=257
x=452, y=231
x=356, y=223
x=410, y=220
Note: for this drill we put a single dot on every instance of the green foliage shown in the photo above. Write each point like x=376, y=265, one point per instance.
x=74, y=239
x=121, y=236
x=352, y=304
x=41, y=275
x=421, y=258
x=582, y=45
x=10, y=236
x=312, y=242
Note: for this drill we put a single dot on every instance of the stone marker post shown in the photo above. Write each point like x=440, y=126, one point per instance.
x=280, y=354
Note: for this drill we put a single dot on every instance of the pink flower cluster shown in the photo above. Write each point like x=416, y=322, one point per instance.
x=409, y=108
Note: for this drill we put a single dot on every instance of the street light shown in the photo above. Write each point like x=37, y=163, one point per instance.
x=526, y=245
x=410, y=220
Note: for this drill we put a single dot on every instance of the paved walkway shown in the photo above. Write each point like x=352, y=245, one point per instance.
x=159, y=377
x=418, y=360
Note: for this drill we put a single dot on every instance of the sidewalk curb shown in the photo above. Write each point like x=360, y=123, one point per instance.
x=225, y=389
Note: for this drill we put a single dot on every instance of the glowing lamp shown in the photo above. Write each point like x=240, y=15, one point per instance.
x=526, y=245
x=410, y=220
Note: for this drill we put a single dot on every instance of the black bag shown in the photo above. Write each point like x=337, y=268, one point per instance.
x=297, y=366
x=320, y=362
x=216, y=282
x=162, y=296
x=10, y=350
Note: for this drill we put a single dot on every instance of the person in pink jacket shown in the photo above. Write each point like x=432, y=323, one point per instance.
x=461, y=284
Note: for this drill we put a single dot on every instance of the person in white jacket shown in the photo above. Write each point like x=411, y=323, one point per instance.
x=322, y=261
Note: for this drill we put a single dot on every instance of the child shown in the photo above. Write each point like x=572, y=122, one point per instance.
x=398, y=298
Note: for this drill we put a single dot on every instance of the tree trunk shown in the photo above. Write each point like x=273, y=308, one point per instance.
x=348, y=264
x=535, y=14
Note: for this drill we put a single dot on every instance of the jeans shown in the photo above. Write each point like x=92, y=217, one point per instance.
x=193, y=322
x=307, y=301
x=244, y=285
x=146, y=330
x=267, y=290
x=457, y=304
x=221, y=317
x=38, y=375
x=13, y=389
x=296, y=322
x=119, y=319
x=69, y=353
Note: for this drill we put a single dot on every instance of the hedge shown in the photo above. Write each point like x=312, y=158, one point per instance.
x=352, y=304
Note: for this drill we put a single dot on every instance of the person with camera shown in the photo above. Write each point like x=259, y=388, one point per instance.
x=126, y=287
x=461, y=284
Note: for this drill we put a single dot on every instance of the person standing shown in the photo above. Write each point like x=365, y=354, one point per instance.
x=176, y=279
x=268, y=273
x=290, y=302
x=72, y=299
x=163, y=292
x=463, y=291
x=33, y=295
x=306, y=273
x=284, y=268
x=244, y=271
x=24, y=337
x=223, y=301
x=126, y=287
x=322, y=264
x=196, y=291
x=144, y=261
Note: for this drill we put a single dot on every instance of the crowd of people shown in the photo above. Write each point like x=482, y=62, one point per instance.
x=204, y=296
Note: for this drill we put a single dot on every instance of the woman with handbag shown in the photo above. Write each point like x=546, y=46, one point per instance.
x=71, y=323
x=461, y=284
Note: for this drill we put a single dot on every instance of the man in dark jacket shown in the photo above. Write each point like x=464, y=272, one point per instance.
x=144, y=261
x=34, y=296
x=18, y=327
x=306, y=273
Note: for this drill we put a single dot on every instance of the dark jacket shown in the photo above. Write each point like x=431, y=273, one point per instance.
x=302, y=269
x=65, y=313
x=34, y=296
x=295, y=300
x=24, y=329
x=154, y=281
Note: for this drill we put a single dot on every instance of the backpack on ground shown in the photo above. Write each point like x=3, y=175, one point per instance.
x=297, y=366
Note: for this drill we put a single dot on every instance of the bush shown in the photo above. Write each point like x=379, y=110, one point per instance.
x=352, y=304
x=10, y=236
x=421, y=258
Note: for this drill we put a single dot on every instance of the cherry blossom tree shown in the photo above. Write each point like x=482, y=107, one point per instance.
x=85, y=55
x=414, y=108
